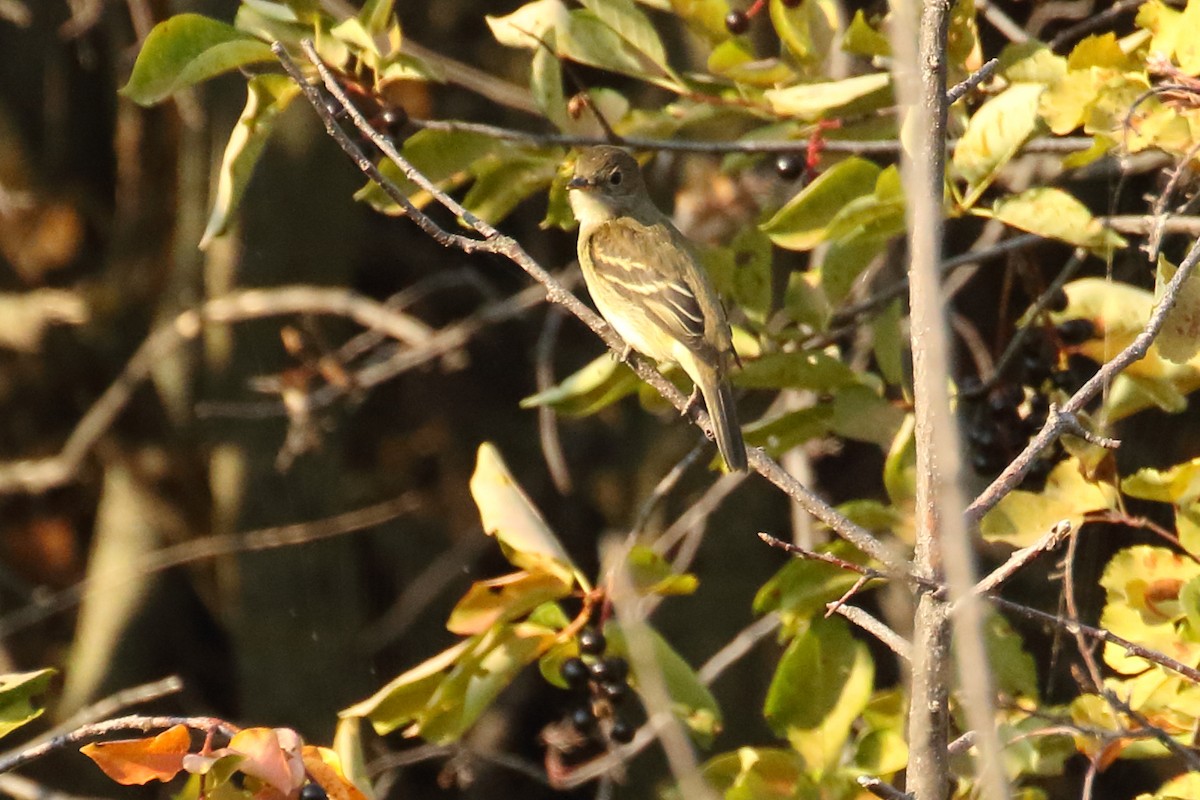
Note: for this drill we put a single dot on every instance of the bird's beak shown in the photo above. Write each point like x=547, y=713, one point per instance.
x=578, y=182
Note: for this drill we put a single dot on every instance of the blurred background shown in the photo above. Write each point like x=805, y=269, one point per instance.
x=102, y=206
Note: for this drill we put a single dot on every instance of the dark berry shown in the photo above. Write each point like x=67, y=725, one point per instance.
x=789, y=166
x=983, y=437
x=615, y=691
x=970, y=387
x=591, y=641
x=583, y=719
x=617, y=668
x=1057, y=301
x=1077, y=331
x=1005, y=398
x=988, y=461
x=622, y=732
x=313, y=791
x=737, y=22
x=1079, y=370
x=575, y=673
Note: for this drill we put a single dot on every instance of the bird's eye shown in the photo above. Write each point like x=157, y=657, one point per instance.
x=615, y=178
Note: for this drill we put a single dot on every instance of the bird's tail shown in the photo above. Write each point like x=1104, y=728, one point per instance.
x=718, y=399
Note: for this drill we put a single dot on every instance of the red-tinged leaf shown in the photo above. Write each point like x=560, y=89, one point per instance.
x=325, y=768
x=272, y=756
x=134, y=762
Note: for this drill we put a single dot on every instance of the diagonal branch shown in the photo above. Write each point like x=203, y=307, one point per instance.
x=493, y=241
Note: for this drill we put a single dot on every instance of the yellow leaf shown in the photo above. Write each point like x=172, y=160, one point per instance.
x=1022, y=517
x=510, y=516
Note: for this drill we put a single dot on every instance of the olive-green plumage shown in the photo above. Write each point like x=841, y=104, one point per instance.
x=648, y=284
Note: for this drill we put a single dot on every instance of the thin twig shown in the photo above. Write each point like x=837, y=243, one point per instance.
x=1084, y=647
x=1062, y=420
x=114, y=703
x=1050, y=540
x=1093, y=22
x=19, y=757
x=552, y=452
x=1048, y=144
x=974, y=79
x=666, y=485
x=882, y=790
x=212, y=546
x=1188, y=755
x=494, y=242
x=38, y=475
x=894, y=641
x=1043, y=301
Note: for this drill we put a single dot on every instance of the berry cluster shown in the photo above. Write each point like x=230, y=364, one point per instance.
x=602, y=685
x=1000, y=421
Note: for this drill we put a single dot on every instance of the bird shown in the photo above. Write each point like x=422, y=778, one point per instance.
x=648, y=284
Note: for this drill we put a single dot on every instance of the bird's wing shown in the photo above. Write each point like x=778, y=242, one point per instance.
x=648, y=267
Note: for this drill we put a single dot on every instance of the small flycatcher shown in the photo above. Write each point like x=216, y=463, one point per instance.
x=648, y=284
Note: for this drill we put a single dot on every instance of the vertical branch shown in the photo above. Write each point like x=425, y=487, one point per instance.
x=943, y=542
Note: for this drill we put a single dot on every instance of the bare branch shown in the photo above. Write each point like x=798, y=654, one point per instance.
x=894, y=641
x=38, y=475
x=1049, y=541
x=14, y=759
x=885, y=791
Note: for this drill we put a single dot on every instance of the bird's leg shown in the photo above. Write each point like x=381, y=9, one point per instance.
x=693, y=401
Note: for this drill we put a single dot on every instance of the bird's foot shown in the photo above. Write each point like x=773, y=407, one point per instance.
x=693, y=401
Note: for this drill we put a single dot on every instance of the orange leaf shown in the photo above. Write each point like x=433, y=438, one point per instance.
x=325, y=768
x=133, y=762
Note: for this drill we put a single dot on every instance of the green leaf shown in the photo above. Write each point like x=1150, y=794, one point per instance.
x=860, y=413
x=862, y=39
x=879, y=215
x=1031, y=61
x=653, y=574
x=691, y=700
x=822, y=684
x=899, y=468
x=888, y=343
x=780, y=434
x=17, y=690
x=1023, y=517
x=535, y=19
x=995, y=133
x=508, y=514
x=185, y=50
x=833, y=98
x=801, y=224
x=634, y=28
x=807, y=29
x=266, y=98
x=445, y=157
x=736, y=60
x=501, y=182
x=742, y=272
x=598, y=385
x=589, y=40
x=759, y=773
x=403, y=697
x=1013, y=670
x=477, y=679
x=1055, y=214
x=800, y=590
x=810, y=370
x=705, y=17
x=546, y=83
x=1178, y=485
x=845, y=259
x=376, y=15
